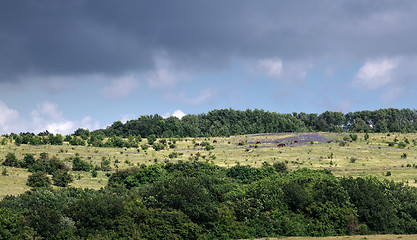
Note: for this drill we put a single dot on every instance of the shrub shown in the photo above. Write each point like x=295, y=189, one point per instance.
x=62, y=178
x=80, y=165
x=105, y=165
x=38, y=179
x=158, y=146
x=354, y=137
x=151, y=139
x=28, y=160
x=280, y=166
x=402, y=144
x=94, y=173
x=11, y=160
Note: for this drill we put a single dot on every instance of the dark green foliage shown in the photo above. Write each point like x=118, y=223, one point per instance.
x=182, y=193
x=12, y=226
x=206, y=145
x=62, y=178
x=402, y=145
x=280, y=167
x=166, y=224
x=375, y=206
x=28, y=160
x=248, y=174
x=199, y=200
x=105, y=165
x=11, y=160
x=158, y=146
x=354, y=137
x=151, y=139
x=226, y=122
x=81, y=165
x=38, y=179
x=83, y=133
x=94, y=173
x=96, y=213
x=46, y=164
x=134, y=177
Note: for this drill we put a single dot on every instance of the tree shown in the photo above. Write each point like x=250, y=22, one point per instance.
x=12, y=226
x=80, y=165
x=62, y=178
x=38, y=179
x=28, y=160
x=151, y=139
x=11, y=160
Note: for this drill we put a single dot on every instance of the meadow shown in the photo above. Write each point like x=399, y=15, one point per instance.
x=390, y=156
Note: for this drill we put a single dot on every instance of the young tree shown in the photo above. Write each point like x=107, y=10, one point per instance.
x=11, y=160
x=151, y=139
x=38, y=179
x=80, y=165
x=62, y=178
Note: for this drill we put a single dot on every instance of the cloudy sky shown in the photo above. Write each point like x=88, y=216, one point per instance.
x=85, y=63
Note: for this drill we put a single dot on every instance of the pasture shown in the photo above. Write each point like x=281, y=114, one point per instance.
x=387, y=156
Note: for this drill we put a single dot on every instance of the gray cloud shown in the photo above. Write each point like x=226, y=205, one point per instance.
x=117, y=37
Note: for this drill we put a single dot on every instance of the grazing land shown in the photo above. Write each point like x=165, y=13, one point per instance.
x=390, y=156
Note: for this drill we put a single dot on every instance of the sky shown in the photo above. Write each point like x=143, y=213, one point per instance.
x=75, y=64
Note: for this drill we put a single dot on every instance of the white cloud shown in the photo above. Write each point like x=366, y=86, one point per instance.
x=375, y=73
x=164, y=76
x=271, y=67
x=64, y=127
x=178, y=113
x=120, y=88
x=8, y=118
x=203, y=96
x=275, y=68
x=87, y=123
x=46, y=116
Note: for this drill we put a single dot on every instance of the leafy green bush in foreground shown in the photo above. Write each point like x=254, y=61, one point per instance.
x=196, y=200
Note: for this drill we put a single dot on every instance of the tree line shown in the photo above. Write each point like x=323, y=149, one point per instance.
x=200, y=200
x=228, y=122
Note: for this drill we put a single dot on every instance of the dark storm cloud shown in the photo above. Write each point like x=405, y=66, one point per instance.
x=112, y=37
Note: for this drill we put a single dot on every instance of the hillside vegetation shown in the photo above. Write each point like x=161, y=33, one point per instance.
x=198, y=200
x=228, y=122
x=151, y=182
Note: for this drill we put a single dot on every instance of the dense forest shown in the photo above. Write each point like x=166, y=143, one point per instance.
x=228, y=122
x=199, y=200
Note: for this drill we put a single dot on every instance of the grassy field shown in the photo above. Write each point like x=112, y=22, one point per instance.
x=333, y=151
